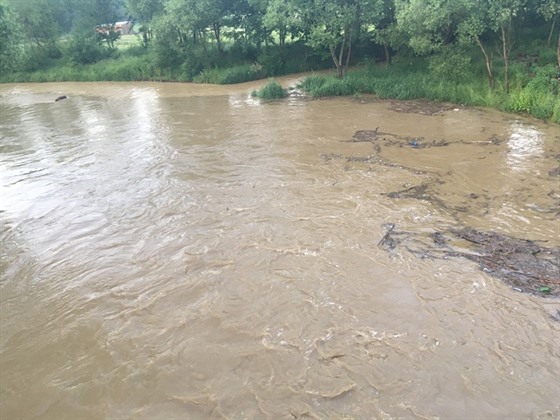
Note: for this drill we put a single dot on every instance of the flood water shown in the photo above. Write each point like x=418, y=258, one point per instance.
x=182, y=251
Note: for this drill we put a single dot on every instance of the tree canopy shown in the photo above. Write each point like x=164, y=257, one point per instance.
x=334, y=29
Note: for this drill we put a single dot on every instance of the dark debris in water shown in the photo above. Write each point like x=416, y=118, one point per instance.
x=523, y=264
x=378, y=138
x=555, y=171
x=418, y=192
x=420, y=107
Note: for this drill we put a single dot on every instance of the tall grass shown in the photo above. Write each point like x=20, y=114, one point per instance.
x=231, y=75
x=272, y=90
x=125, y=68
x=537, y=95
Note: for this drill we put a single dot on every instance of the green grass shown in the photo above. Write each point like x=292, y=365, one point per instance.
x=231, y=75
x=125, y=68
x=537, y=94
x=128, y=41
x=272, y=90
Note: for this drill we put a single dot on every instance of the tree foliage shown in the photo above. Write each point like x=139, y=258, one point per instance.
x=191, y=36
x=10, y=40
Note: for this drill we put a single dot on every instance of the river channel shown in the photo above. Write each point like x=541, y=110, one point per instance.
x=188, y=252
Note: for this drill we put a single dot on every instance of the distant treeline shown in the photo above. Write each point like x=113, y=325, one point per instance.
x=506, y=43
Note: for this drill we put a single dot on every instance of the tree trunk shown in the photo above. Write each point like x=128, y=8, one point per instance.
x=216, y=27
x=488, y=64
x=558, y=51
x=339, y=62
x=201, y=37
x=387, y=54
x=551, y=31
x=505, y=56
x=336, y=62
x=349, y=53
x=340, y=55
x=282, y=34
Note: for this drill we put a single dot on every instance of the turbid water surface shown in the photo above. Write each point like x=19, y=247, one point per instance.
x=185, y=251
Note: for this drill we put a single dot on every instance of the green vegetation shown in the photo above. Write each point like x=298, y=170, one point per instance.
x=498, y=53
x=272, y=90
x=534, y=90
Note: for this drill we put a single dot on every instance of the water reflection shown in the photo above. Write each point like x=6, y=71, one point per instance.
x=525, y=143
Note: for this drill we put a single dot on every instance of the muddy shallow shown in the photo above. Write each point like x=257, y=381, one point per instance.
x=185, y=251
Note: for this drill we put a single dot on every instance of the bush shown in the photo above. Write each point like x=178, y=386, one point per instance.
x=540, y=96
x=85, y=48
x=237, y=74
x=272, y=90
x=312, y=83
x=273, y=60
x=37, y=58
x=336, y=87
x=451, y=65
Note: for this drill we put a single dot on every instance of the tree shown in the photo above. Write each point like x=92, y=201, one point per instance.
x=283, y=17
x=40, y=21
x=84, y=48
x=550, y=10
x=502, y=15
x=383, y=26
x=334, y=25
x=108, y=34
x=434, y=26
x=10, y=40
x=430, y=24
x=472, y=28
x=195, y=17
x=145, y=11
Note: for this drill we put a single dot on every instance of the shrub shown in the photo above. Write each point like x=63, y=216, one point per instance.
x=451, y=65
x=312, y=83
x=540, y=96
x=237, y=74
x=273, y=60
x=85, y=48
x=272, y=90
x=36, y=58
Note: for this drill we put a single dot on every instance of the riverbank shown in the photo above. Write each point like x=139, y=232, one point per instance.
x=537, y=96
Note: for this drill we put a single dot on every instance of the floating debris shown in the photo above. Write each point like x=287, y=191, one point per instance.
x=555, y=171
x=520, y=263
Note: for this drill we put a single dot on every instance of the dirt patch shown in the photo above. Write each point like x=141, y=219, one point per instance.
x=523, y=264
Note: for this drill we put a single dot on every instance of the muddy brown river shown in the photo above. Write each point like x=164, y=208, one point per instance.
x=187, y=252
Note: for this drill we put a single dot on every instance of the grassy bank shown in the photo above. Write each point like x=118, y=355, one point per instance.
x=534, y=91
x=534, y=87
